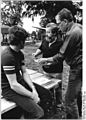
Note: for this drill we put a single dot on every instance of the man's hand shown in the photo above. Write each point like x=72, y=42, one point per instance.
x=35, y=96
x=33, y=54
x=45, y=61
x=34, y=57
x=42, y=61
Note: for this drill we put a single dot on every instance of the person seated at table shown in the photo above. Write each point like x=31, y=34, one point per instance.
x=16, y=83
x=50, y=47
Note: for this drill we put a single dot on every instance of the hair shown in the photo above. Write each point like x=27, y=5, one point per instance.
x=65, y=14
x=53, y=27
x=16, y=35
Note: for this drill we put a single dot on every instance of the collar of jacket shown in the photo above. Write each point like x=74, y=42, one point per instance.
x=70, y=28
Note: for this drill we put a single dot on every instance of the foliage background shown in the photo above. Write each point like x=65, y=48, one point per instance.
x=12, y=11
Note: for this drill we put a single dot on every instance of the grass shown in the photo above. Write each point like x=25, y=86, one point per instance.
x=28, y=50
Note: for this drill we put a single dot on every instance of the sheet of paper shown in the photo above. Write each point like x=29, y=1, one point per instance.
x=41, y=80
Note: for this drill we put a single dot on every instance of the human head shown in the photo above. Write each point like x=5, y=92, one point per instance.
x=63, y=18
x=17, y=36
x=51, y=31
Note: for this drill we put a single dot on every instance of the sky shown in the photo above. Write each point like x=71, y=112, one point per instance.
x=28, y=23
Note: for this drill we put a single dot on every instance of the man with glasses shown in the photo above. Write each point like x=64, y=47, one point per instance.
x=71, y=52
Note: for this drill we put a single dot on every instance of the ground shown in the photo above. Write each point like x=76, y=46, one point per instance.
x=28, y=50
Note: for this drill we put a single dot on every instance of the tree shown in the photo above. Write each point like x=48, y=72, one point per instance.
x=31, y=8
x=11, y=12
x=48, y=8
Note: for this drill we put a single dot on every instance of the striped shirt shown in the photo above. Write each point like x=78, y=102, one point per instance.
x=11, y=63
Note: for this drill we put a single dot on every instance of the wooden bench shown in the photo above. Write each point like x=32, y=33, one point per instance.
x=38, y=78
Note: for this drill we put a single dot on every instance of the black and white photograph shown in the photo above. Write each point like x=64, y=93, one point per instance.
x=42, y=59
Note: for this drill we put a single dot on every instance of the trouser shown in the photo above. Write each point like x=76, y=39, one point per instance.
x=30, y=108
x=79, y=102
x=74, y=87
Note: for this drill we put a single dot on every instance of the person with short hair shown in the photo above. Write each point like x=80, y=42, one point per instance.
x=50, y=47
x=16, y=83
x=71, y=52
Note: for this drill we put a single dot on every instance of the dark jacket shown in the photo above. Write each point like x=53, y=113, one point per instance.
x=71, y=50
x=49, y=51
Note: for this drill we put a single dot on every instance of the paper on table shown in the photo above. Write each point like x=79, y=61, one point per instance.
x=42, y=80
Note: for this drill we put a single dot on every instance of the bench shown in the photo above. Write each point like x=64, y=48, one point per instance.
x=38, y=78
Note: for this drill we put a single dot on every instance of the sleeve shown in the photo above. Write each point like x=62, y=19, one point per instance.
x=8, y=64
x=22, y=59
x=67, y=47
x=41, y=46
x=60, y=56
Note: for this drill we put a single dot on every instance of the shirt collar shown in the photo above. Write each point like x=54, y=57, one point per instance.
x=52, y=42
x=69, y=28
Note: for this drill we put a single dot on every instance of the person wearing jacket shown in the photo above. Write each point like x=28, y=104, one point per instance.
x=71, y=52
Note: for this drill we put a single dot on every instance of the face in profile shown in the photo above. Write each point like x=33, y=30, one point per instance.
x=49, y=34
x=21, y=45
x=61, y=24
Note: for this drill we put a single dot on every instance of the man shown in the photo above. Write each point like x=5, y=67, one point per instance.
x=16, y=83
x=71, y=52
x=50, y=47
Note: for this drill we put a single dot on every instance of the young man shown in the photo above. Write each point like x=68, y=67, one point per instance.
x=15, y=81
x=71, y=52
x=50, y=47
